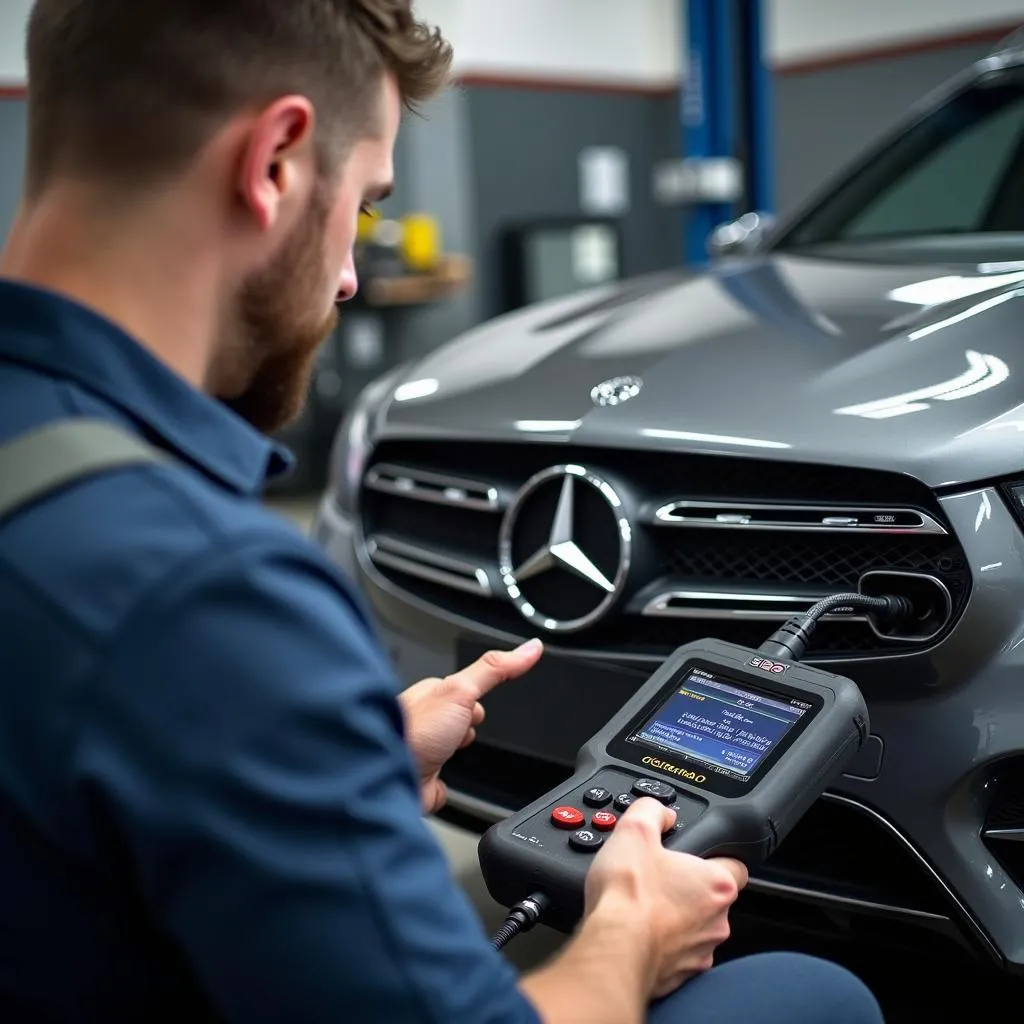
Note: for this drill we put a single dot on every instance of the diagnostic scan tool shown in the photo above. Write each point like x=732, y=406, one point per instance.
x=738, y=742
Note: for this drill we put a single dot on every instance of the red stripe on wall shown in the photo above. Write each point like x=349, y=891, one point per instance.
x=13, y=92
x=549, y=83
x=991, y=35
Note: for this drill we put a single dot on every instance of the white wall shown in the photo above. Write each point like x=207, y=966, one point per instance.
x=634, y=41
x=620, y=40
x=13, y=19
x=812, y=29
x=627, y=41
x=642, y=40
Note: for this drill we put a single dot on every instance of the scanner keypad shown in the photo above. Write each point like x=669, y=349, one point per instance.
x=582, y=819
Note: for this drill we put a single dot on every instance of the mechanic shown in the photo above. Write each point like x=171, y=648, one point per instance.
x=212, y=796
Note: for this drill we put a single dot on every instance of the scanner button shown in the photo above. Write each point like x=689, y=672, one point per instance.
x=652, y=787
x=566, y=817
x=622, y=801
x=597, y=797
x=603, y=821
x=585, y=841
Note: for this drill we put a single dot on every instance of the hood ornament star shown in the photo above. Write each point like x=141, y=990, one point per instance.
x=561, y=549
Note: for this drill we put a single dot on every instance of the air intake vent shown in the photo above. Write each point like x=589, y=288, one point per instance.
x=1004, y=823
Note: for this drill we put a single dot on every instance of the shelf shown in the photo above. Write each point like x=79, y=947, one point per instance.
x=453, y=273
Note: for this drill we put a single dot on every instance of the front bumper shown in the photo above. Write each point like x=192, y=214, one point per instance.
x=946, y=720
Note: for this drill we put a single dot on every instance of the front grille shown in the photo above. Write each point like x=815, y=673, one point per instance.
x=726, y=546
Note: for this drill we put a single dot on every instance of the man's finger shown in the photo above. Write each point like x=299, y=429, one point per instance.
x=496, y=666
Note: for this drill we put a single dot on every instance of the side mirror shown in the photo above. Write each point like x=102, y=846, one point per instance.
x=740, y=237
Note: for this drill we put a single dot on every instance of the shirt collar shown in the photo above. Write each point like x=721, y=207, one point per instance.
x=42, y=329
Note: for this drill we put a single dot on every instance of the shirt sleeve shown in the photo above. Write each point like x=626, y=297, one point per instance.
x=246, y=744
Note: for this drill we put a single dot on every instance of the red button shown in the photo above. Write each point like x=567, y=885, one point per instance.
x=604, y=821
x=567, y=817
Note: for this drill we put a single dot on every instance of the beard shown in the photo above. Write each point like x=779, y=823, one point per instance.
x=275, y=329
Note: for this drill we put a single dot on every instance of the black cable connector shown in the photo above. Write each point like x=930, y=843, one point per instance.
x=790, y=640
x=521, y=918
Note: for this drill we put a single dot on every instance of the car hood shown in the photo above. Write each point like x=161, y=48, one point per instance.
x=913, y=369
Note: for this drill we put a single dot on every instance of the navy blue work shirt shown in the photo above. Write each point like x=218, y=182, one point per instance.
x=207, y=808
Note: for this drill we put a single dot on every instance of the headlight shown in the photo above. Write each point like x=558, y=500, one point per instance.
x=355, y=438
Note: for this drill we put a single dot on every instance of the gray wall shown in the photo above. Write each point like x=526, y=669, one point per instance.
x=525, y=147
x=12, y=155
x=434, y=172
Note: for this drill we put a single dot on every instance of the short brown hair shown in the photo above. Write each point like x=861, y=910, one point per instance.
x=127, y=91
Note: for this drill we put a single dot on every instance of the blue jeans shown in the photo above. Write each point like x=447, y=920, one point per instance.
x=771, y=988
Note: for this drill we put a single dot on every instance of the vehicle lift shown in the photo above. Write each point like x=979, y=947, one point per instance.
x=726, y=113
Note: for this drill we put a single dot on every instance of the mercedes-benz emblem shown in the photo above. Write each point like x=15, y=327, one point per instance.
x=616, y=391
x=564, y=549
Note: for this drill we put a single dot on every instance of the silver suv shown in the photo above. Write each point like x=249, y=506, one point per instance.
x=838, y=403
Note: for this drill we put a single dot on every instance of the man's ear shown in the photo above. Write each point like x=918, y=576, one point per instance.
x=278, y=161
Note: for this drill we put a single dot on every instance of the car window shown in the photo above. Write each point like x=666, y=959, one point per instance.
x=951, y=190
x=959, y=171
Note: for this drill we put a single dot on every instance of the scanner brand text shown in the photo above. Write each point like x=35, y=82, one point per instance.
x=683, y=773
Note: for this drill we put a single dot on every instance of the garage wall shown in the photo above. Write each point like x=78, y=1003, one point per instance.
x=542, y=81
x=571, y=37
x=633, y=42
x=801, y=31
x=12, y=154
x=526, y=145
x=13, y=18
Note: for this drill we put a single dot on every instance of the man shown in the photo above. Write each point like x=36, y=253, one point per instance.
x=211, y=800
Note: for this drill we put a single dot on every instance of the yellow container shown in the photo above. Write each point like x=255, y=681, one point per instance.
x=366, y=225
x=421, y=241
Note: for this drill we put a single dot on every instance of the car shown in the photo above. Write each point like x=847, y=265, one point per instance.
x=835, y=402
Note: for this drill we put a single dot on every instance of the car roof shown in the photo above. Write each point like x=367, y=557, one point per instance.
x=1010, y=49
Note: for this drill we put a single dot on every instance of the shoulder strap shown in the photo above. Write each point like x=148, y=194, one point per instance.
x=51, y=456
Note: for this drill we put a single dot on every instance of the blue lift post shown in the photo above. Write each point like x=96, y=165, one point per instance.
x=758, y=105
x=726, y=106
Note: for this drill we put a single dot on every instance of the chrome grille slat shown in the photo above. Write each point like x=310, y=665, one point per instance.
x=1012, y=835
x=433, y=566
x=773, y=517
x=731, y=604
x=437, y=488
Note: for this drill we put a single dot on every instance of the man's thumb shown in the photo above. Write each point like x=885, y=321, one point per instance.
x=649, y=816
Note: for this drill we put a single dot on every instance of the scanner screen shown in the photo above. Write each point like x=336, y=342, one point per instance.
x=727, y=728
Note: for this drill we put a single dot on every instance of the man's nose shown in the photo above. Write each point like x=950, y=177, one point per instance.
x=348, y=283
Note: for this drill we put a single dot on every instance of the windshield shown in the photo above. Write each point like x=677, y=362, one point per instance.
x=954, y=177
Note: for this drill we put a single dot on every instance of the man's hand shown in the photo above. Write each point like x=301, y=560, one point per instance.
x=442, y=715
x=654, y=919
x=682, y=900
